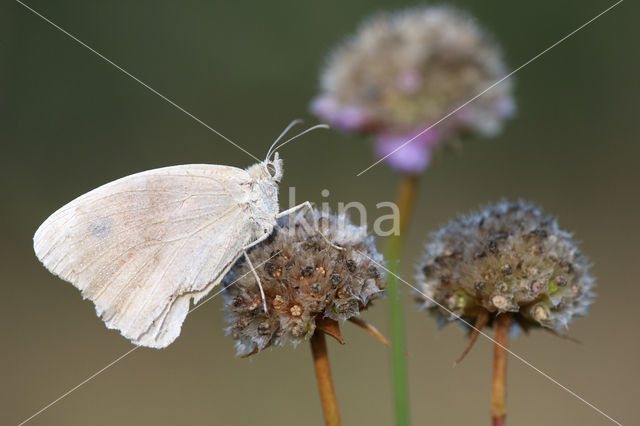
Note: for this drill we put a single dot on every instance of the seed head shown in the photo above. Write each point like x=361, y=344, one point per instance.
x=509, y=257
x=401, y=73
x=304, y=279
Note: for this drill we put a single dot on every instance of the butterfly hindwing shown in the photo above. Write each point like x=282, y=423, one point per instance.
x=143, y=246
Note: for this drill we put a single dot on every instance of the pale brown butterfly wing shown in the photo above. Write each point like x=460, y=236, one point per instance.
x=141, y=247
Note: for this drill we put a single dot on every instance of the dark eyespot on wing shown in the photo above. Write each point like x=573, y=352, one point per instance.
x=100, y=227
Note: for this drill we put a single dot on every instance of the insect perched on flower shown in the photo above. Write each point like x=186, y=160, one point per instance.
x=141, y=248
x=305, y=280
x=404, y=72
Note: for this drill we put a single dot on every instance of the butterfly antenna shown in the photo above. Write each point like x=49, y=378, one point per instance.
x=284, y=132
x=317, y=126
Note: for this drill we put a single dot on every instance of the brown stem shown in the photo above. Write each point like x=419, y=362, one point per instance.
x=406, y=199
x=325, y=382
x=499, y=385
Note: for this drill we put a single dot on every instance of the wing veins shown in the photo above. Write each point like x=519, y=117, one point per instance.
x=169, y=264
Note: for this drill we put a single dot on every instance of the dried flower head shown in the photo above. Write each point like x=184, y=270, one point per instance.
x=402, y=72
x=509, y=257
x=304, y=278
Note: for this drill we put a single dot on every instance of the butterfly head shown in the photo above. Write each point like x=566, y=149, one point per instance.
x=270, y=170
x=274, y=168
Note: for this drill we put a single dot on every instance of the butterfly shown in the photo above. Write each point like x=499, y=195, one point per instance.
x=142, y=247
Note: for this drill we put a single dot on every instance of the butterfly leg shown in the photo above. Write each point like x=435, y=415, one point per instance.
x=255, y=274
x=256, y=242
x=308, y=205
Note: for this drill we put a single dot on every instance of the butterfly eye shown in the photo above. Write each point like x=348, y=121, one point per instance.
x=271, y=169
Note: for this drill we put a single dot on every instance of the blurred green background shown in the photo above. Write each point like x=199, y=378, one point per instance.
x=71, y=122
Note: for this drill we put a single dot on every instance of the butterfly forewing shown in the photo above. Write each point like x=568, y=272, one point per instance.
x=143, y=246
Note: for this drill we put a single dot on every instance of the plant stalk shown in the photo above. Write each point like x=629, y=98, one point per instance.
x=499, y=384
x=405, y=201
x=325, y=381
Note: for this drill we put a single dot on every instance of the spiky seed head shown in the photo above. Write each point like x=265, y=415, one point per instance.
x=402, y=72
x=304, y=279
x=508, y=257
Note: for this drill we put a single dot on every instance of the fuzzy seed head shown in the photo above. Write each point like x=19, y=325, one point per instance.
x=402, y=72
x=304, y=279
x=509, y=257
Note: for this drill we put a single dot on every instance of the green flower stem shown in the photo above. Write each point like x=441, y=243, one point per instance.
x=405, y=201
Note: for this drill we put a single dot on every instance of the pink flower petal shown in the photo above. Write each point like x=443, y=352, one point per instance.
x=351, y=118
x=325, y=107
x=411, y=158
